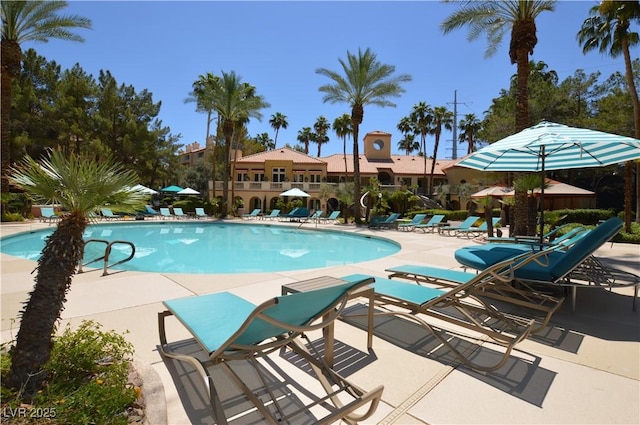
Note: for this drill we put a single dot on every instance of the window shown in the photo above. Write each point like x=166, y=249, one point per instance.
x=243, y=177
x=258, y=177
x=278, y=175
x=314, y=178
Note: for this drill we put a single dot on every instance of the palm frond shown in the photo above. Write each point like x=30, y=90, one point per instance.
x=79, y=185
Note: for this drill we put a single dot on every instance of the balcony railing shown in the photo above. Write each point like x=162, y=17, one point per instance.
x=268, y=186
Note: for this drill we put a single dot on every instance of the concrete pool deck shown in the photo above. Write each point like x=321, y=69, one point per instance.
x=583, y=369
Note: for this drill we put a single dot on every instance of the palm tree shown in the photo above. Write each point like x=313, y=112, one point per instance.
x=80, y=186
x=278, y=121
x=343, y=128
x=24, y=21
x=366, y=81
x=235, y=103
x=321, y=127
x=304, y=136
x=608, y=30
x=442, y=117
x=469, y=127
x=421, y=118
x=495, y=18
x=408, y=143
x=202, y=95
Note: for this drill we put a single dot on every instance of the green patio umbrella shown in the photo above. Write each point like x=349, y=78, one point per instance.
x=552, y=146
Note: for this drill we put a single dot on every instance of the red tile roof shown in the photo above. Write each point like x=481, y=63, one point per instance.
x=281, y=154
x=398, y=164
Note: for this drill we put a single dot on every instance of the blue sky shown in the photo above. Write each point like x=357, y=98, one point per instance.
x=164, y=46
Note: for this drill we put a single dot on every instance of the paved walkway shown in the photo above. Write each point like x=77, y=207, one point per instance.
x=584, y=369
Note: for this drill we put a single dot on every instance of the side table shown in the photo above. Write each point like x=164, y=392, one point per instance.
x=328, y=332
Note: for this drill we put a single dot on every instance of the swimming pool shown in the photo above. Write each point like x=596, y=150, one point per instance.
x=215, y=247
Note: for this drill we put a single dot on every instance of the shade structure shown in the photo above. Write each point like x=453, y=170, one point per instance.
x=494, y=191
x=553, y=146
x=188, y=191
x=143, y=189
x=173, y=189
x=295, y=192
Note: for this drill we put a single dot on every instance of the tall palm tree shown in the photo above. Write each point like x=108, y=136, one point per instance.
x=408, y=143
x=421, y=118
x=343, y=127
x=608, y=30
x=278, y=121
x=365, y=81
x=80, y=186
x=235, y=103
x=202, y=95
x=469, y=127
x=442, y=117
x=24, y=21
x=321, y=127
x=495, y=18
x=304, y=136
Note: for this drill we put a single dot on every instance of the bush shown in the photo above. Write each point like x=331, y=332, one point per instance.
x=87, y=379
x=190, y=204
x=8, y=216
x=584, y=216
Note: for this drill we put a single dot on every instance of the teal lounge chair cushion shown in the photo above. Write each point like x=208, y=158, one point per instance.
x=434, y=272
x=212, y=318
x=559, y=262
x=215, y=318
x=409, y=292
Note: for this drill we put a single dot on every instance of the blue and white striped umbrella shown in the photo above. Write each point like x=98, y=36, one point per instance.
x=551, y=146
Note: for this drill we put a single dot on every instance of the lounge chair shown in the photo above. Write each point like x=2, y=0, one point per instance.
x=387, y=223
x=473, y=232
x=232, y=331
x=570, y=266
x=542, y=306
x=453, y=230
x=331, y=218
x=434, y=223
x=107, y=214
x=313, y=217
x=179, y=214
x=200, y=213
x=273, y=215
x=410, y=226
x=165, y=213
x=565, y=240
x=149, y=211
x=472, y=317
x=297, y=214
x=48, y=214
x=253, y=214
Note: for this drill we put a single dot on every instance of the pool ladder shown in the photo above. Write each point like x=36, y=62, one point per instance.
x=107, y=252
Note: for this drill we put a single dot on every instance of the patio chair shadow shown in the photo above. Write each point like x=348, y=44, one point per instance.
x=347, y=360
x=519, y=377
x=195, y=400
x=602, y=314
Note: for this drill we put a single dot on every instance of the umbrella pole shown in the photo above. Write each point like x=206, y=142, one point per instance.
x=542, y=182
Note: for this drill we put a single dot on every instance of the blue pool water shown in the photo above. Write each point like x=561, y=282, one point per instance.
x=214, y=247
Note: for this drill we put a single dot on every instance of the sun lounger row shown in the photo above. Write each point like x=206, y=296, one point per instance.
x=465, y=312
x=229, y=329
